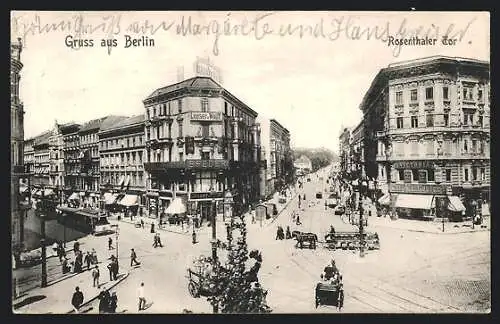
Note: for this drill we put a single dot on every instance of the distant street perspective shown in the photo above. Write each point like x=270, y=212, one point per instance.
x=174, y=195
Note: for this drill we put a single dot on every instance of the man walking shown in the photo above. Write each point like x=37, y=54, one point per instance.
x=88, y=260
x=140, y=295
x=133, y=258
x=95, y=276
x=77, y=299
x=110, y=243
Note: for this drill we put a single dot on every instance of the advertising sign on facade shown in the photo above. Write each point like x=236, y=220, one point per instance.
x=417, y=188
x=206, y=116
x=420, y=164
x=207, y=164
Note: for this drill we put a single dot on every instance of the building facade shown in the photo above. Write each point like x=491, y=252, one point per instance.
x=18, y=172
x=41, y=174
x=345, y=151
x=56, y=159
x=358, y=166
x=280, y=157
x=200, y=142
x=122, y=153
x=433, y=146
x=71, y=153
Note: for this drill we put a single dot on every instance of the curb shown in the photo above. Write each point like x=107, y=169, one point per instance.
x=163, y=229
x=107, y=289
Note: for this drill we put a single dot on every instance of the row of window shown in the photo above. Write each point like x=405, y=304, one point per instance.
x=131, y=141
x=128, y=158
x=114, y=178
x=468, y=94
x=474, y=174
x=447, y=148
x=424, y=176
x=89, y=138
x=468, y=119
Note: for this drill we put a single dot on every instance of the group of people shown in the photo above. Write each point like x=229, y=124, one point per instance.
x=79, y=262
x=157, y=240
x=281, y=235
x=107, y=302
x=113, y=268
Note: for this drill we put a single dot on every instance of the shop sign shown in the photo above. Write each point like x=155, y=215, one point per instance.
x=207, y=164
x=421, y=164
x=206, y=116
x=417, y=188
x=206, y=195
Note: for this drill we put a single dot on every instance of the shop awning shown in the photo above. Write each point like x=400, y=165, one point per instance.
x=129, y=200
x=385, y=200
x=127, y=181
x=109, y=198
x=74, y=196
x=455, y=204
x=176, y=207
x=122, y=179
x=414, y=201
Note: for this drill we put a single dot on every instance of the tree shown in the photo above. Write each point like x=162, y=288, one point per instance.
x=238, y=290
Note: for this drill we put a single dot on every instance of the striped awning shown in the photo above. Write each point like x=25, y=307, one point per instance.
x=455, y=204
x=129, y=200
x=109, y=198
x=385, y=200
x=176, y=207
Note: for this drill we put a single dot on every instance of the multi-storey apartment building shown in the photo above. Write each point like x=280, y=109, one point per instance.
x=358, y=166
x=41, y=174
x=29, y=155
x=433, y=145
x=56, y=158
x=18, y=172
x=200, y=141
x=345, y=151
x=71, y=153
x=122, y=153
x=89, y=157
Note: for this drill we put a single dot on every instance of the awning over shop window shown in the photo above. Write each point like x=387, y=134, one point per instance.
x=127, y=181
x=176, y=207
x=109, y=198
x=414, y=201
x=129, y=200
x=122, y=179
x=455, y=204
x=385, y=200
x=74, y=196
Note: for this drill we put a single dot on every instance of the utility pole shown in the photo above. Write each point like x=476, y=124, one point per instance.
x=42, y=240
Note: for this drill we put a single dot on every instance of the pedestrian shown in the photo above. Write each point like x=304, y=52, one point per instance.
x=65, y=267
x=155, y=241
x=159, y=240
x=141, y=296
x=142, y=223
x=110, y=268
x=114, y=269
x=152, y=227
x=104, y=298
x=113, y=302
x=288, y=233
x=94, y=256
x=133, y=258
x=88, y=259
x=76, y=247
x=298, y=220
x=77, y=299
x=95, y=277
x=110, y=243
x=79, y=262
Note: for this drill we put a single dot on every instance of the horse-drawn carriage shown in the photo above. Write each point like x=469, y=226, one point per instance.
x=305, y=238
x=351, y=240
x=202, y=278
x=330, y=293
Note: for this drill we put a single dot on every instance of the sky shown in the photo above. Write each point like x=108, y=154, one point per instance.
x=312, y=83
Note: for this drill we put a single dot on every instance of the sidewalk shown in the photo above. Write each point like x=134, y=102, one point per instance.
x=56, y=298
x=428, y=226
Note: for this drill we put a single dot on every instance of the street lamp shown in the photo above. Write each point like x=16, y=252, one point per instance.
x=228, y=201
x=362, y=186
x=117, y=235
x=41, y=206
x=214, y=225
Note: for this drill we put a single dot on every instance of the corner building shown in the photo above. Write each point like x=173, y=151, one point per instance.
x=200, y=142
x=433, y=130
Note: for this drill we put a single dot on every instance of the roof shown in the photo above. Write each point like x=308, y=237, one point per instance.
x=42, y=138
x=98, y=123
x=199, y=82
x=194, y=82
x=274, y=121
x=124, y=123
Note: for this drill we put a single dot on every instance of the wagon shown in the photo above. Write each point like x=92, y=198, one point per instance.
x=200, y=281
x=328, y=293
x=350, y=240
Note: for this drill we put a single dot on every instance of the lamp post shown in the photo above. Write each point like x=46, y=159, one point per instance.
x=214, y=226
x=117, y=235
x=42, y=210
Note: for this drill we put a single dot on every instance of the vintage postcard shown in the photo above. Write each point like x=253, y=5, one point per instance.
x=250, y=162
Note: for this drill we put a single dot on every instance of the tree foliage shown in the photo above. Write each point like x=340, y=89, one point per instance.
x=320, y=158
x=238, y=289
